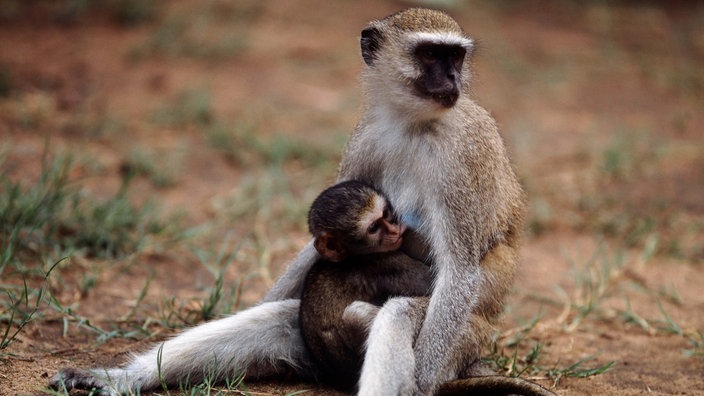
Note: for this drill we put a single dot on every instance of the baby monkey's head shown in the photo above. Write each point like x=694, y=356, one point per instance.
x=353, y=218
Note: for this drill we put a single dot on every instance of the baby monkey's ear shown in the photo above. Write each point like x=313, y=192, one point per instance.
x=330, y=247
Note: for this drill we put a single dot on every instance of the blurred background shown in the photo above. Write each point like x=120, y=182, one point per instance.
x=157, y=160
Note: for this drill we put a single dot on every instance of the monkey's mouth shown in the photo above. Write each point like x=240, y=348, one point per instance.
x=445, y=100
x=442, y=91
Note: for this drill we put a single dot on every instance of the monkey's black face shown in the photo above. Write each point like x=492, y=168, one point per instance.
x=441, y=66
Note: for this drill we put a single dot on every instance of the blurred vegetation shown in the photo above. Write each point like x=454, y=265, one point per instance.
x=52, y=217
x=125, y=12
x=213, y=30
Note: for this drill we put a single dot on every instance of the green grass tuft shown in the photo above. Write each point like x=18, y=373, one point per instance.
x=53, y=215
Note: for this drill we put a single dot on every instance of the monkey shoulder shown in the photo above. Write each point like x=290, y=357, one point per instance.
x=360, y=159
x=475, y=130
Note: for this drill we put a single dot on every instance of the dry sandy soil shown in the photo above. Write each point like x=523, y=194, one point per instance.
x=601, y=107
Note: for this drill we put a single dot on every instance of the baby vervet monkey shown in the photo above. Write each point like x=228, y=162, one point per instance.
x=358, y=235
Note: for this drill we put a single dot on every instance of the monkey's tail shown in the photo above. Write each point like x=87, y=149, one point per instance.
x=493, y=385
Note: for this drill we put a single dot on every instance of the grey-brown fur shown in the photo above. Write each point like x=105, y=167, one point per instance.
x=449, y=168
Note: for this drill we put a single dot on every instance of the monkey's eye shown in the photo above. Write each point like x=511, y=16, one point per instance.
x=457, y=56
x=426, y=54
x=458, y=53
x=373, y=228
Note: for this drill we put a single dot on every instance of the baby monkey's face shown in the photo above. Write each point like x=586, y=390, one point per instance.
x=352, y=218
x=379, y=229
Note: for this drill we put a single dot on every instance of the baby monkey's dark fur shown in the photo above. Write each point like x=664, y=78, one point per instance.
x=336, y=341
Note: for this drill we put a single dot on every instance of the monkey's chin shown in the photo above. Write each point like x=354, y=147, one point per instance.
x=431, y=110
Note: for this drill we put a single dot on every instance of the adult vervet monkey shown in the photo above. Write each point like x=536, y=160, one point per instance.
x=437, y=156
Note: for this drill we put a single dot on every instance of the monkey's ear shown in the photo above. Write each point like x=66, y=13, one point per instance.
x=370, y=42
x=329, y=247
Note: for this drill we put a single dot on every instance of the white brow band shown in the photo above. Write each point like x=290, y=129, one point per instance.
x=442, y=38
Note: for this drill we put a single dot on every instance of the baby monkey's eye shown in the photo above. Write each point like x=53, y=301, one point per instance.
x=373, y=228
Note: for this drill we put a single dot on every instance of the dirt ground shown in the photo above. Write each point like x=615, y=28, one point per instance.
x=600, y=105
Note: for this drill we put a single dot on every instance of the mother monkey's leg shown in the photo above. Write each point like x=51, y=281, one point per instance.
x=263, y=341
